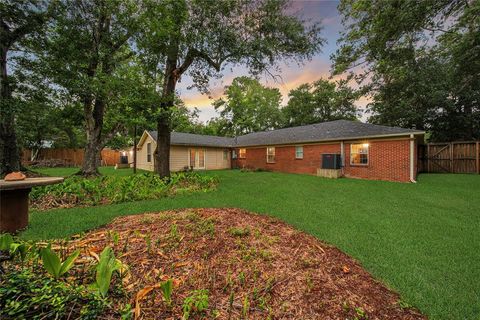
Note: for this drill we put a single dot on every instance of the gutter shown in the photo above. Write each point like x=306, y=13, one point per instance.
x=412, y=158
x=336, y=139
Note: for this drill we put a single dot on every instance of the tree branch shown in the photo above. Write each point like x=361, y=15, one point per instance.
x=192, y=54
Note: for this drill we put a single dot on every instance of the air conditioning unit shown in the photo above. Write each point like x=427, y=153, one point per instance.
x=331, y=161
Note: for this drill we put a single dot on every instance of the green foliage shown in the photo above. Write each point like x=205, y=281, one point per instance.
x=320, y=101
x=77, y=190
x=106, y=266
x=12, y=248
x=196, y=302
x=53, y=264
x=28, y=294
x=167, y=289
x=419, y=60
x=6, y=240
x=249, y=107
x=239, y=232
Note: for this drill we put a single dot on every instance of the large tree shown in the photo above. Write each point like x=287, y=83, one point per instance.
x=320, y=101
x=86, y=44
x=18, y=19
x=201, y=37
x=419, y=61
x=249, y=106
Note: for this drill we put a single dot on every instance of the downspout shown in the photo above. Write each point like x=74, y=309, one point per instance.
x=412, y=158
x=342, y=155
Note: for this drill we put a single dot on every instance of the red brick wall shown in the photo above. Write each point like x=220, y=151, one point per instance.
x=388, y=160
x=285, y=158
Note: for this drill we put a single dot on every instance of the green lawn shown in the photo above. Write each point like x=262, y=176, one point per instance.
x=423, y=240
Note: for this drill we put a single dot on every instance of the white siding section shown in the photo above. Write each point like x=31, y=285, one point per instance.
x=179, y=157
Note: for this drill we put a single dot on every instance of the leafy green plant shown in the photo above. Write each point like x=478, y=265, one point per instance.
x=52, y=263
x=28, y=294
x=361, y=314
x=245, y=307
x=167, y=290
x=106, y=266
x=126, y=313
x=196, y=302
x=77, y=190
x=6, y=241
x=239, y=232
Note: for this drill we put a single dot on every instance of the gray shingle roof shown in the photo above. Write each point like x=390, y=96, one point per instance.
x=189, y=139
x=325, y=131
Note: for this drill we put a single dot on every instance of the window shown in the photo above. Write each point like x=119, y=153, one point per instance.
x=359, y=153
x=234, y=154
x=149, y=152
x=242, y=153
x=299, y=152
x=270, y=154
x=225, y=155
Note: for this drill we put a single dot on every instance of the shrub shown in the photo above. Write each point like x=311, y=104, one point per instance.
x=28, y=294
x=77, y=190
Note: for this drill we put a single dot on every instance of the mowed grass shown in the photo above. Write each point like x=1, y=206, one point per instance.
x=422, y=240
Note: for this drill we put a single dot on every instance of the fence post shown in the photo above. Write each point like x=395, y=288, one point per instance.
x=478, y=156
x=451, y=157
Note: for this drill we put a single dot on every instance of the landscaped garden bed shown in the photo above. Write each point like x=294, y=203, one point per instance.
x=218, y=263
x=80, y=191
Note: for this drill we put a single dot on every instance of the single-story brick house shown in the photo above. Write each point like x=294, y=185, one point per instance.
x=336, y=148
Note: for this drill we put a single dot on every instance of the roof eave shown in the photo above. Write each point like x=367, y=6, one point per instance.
x=338, y=139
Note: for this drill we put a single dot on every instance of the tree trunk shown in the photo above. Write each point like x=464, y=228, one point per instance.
x=162, y=154
x=9, y=153
x=93, y=148
x=135, y=149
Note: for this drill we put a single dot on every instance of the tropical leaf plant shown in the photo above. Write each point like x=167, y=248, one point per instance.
x=52, y=263
x=107, y=265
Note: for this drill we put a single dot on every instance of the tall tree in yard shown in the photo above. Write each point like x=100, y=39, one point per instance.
x=18, y=19
x=201, y=37
x=319, y=102
x=248, y=106
x=419, y=61
x=86, y=44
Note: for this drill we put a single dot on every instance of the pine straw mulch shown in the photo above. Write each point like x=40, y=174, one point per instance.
x=253, y=266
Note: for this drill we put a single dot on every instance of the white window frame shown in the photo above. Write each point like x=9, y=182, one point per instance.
x=296, y=152
x=270, y=154
x=234, y=154
x=225, y=155
x=364, y=145
x=149, y=152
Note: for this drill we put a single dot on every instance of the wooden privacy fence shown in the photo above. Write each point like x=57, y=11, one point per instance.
x=450, y=157
x=71, y=157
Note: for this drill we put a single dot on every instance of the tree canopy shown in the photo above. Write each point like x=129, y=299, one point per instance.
x=419, y=61
x=200, y=38
x=320, y=101
x=249, y=106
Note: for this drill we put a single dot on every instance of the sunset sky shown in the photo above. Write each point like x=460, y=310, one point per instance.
x=292, y=74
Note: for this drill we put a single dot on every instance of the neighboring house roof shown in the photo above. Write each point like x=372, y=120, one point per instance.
x=325, y=131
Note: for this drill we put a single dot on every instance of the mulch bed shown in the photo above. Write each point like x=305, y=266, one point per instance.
x=253, y=266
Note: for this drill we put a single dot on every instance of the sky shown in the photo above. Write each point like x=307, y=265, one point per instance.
x=291, y=74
